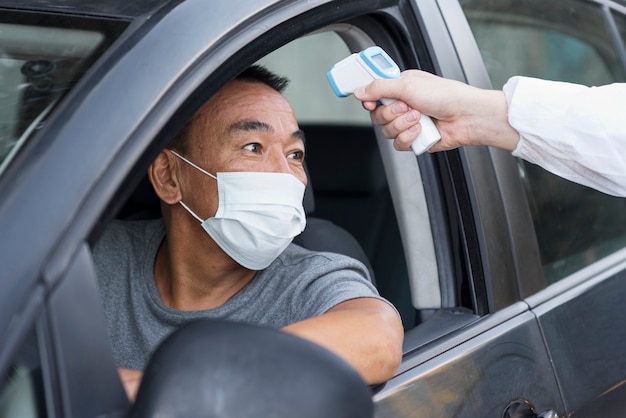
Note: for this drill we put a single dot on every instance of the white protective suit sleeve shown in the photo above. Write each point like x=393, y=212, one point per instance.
x=574, y=131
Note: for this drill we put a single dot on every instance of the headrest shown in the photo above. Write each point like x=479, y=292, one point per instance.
x=344, y=159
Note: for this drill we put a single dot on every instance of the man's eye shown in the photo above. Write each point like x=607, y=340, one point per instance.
x=296, y=155
x=254, y=147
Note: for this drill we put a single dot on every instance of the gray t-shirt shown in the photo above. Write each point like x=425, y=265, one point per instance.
x=299, y=284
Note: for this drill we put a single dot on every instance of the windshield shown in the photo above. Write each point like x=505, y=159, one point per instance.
x=41, y=58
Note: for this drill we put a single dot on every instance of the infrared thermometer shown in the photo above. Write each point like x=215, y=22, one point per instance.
x=360, y=69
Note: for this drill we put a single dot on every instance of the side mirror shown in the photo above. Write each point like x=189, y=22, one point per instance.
x=224, y=369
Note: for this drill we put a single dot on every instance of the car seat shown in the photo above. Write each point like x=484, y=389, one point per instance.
x=351, y=191
x=324, y=235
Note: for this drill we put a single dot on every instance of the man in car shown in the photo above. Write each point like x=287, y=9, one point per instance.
x=231, y=187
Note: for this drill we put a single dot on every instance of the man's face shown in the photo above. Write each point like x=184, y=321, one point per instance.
x=244, y=127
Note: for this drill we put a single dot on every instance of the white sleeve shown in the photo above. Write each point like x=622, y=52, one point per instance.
x=574, y=131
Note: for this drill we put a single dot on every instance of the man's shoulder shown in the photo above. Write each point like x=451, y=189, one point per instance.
x=126, y=249
x=307, y=262
x=315, y=281
x=297, y=255
x=124, y=235
x=133, y=228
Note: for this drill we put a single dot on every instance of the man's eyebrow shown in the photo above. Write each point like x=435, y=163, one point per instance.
x=299, y=134
x=256, y=125
x=250, y=126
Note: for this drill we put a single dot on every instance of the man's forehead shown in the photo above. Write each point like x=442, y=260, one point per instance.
x=238, y=96
x=242, y=108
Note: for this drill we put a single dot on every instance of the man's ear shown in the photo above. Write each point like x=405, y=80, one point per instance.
x=164, y=178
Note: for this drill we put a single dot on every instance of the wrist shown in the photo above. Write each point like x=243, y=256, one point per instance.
x=492, y=123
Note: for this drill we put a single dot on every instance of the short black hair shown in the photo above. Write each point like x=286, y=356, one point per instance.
x=252, y=74
x=260, y=74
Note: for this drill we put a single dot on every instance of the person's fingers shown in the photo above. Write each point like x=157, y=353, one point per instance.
x=403, y=141
x=401, y=123
x=369, y=105
x=379, y=89
x=382, y=115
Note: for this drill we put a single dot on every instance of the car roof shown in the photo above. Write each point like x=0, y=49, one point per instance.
x=112, y=8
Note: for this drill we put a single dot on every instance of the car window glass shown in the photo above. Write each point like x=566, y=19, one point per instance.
x=620, y=21
x=564, y=41
x=21, y=389
x=38, y=64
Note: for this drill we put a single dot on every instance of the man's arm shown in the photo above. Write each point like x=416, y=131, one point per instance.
x=366, y=332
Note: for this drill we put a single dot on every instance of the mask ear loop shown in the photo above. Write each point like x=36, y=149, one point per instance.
x=202, y=170
x=192, y=213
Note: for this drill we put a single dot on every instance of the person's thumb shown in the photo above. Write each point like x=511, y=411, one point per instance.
x=378, y=89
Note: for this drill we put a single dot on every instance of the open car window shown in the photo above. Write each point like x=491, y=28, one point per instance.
x=359, y=181
x=346, y=170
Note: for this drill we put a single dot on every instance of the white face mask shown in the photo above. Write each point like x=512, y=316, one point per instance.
x=257, y=217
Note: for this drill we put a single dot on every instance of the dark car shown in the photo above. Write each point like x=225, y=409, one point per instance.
x=509, y=280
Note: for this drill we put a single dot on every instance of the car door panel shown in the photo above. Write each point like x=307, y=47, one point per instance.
x=78, y=345
x=584, y=330
x=478, y=377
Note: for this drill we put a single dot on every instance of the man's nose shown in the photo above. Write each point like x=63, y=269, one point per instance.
x=279, y=162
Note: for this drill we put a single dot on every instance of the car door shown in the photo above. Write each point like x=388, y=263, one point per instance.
x=580, y=232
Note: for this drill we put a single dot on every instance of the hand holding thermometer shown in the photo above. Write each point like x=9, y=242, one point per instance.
x=360, y=69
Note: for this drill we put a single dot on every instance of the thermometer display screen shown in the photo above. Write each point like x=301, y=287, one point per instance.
x=381, y=61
